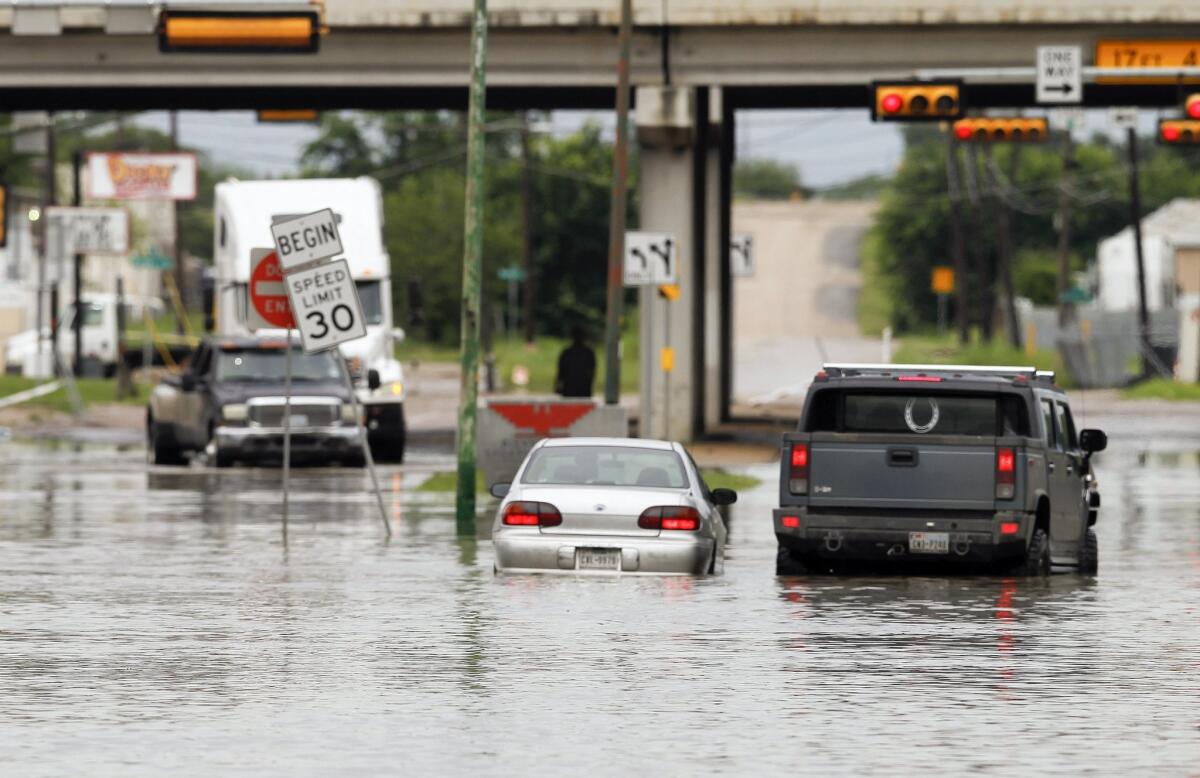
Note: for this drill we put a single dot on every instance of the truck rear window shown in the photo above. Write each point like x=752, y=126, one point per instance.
x=907, y=413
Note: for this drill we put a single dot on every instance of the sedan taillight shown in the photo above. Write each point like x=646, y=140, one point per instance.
x=531, y=514
x=670, y=517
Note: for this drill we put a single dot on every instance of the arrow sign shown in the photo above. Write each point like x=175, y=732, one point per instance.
x=650, y=258
x=1059, y=74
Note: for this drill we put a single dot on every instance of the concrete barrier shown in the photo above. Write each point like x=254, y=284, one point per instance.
x=509, y=428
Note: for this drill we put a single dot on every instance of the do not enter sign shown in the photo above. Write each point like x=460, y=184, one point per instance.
x=269, y=308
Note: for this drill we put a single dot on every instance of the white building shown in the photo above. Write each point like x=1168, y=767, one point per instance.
x=1165, y=234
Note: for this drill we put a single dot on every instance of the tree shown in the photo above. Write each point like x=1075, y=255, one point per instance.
x=766, y=179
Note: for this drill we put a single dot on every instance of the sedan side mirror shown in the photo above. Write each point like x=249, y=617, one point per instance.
x=500, y=490
x=373, y=381
x=187, y=382
x=1092, y=441
x=724, y=496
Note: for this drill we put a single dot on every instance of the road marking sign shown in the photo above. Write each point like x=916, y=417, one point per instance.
x=306, y=239
x=1059, y=74
x=650, y=258
x=89, y=230
x=741, y=255
x=1123, y=117
x=268, y=307
x=326, y=305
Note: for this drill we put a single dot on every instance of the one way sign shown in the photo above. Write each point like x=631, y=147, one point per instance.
x=1059, y=74
x=650, y=258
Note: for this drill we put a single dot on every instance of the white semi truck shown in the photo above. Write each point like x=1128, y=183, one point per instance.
x=243, y=214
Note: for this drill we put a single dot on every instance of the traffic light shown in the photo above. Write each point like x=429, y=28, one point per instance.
x=1001, y=130
x=1191, y=106
x=1179, y=132
x=239, y=32
x=916, y=101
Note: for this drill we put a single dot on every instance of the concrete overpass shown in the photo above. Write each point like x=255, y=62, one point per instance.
x=695, y=62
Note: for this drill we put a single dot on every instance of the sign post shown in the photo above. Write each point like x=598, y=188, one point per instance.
x=322, y=302
x=942, y=284
x=1059, y=74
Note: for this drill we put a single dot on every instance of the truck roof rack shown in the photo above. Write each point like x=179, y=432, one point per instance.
x=835, y=369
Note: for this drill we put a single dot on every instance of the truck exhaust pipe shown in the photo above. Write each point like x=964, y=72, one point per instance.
x=961, y=547
x=896, y=550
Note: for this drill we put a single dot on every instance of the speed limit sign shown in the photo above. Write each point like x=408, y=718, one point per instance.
x=325, y=305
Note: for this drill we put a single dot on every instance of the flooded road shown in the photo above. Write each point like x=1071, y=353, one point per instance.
x=151, y=623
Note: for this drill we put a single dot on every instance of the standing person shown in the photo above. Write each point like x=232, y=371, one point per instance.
x=576, y=367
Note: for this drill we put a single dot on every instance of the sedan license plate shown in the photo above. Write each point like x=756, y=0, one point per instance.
x=929, y=542
x=598, y=558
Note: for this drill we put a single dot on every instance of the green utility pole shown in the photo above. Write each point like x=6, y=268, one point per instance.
x=616, y=233
x=472, y=272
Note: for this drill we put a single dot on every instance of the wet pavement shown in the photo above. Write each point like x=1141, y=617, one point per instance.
x=152, y=622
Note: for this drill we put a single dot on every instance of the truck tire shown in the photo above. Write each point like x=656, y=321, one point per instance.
x=787, y=564
x=1089, y=554
x=1037, y=556
x=161, y=450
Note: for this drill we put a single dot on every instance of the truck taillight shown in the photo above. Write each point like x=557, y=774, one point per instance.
x=798, y=472
x=1006, y=473
x=670, y=517
x=531, y=514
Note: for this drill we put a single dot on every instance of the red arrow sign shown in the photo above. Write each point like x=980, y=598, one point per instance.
x=542, y=418
x=268, y=294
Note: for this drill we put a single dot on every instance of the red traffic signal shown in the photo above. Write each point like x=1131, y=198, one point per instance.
x=916, y=101
x=1182, y=132
x=1006, y=129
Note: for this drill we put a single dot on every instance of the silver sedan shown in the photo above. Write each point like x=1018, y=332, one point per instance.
x=609, y=505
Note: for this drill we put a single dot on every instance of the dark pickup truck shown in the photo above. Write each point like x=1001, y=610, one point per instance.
x=229, y=402
x=969, y=465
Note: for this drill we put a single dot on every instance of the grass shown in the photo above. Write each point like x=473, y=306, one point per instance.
x=91, y=391
x=540, y=358
x=716, y=479
x=875, y=306
x=1163, y=389
x=946, y=350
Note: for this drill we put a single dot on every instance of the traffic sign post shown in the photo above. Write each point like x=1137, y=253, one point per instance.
x=306, y=239
x=650, y=258
x=325, y=304
x=1059, y=74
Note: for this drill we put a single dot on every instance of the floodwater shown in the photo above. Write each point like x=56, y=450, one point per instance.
x=152, y=623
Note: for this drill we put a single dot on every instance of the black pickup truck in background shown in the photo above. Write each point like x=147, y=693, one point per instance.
x=976, y=466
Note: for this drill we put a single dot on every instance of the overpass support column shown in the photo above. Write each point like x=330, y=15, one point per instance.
x=678, y=173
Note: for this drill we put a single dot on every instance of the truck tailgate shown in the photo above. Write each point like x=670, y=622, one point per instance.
x=902, y=474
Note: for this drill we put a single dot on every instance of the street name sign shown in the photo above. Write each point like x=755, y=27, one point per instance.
x=89, y=230
x=326, y=306
x=267, y=307
x=1124, y=117
x=306, y=239
x=1059, y=74
x=741, y=255
x=1142, y=55
x=650, y=258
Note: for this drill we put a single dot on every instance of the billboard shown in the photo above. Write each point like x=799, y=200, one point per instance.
x=141, y=176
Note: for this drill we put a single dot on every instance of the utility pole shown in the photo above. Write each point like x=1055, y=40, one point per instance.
x=1003, y=231
x=1065, y=312
x=77, y=322
x=983, y=279
x=530, y=291
x=48, y=199
x=1135, y=214
x=957, y=242
x=616, y=217
x=180, y=275
x=472, y=272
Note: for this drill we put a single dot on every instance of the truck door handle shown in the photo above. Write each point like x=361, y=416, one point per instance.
x=902, y=457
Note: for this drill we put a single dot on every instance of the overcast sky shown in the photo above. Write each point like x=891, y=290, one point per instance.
x=828, y=146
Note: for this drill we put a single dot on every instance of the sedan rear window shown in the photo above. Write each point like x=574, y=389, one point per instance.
x=937, y=413
x=605, y=466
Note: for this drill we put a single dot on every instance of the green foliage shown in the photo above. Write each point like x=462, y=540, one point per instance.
x=945, y=350
x=1163, y=389
x=91, y=391
x=765, y=179
x=867, y=187
x=912, y=232
x=720, y=479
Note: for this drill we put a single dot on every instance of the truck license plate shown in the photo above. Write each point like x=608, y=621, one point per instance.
x=598, y=558
x=298, y=420
x=929, y=542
